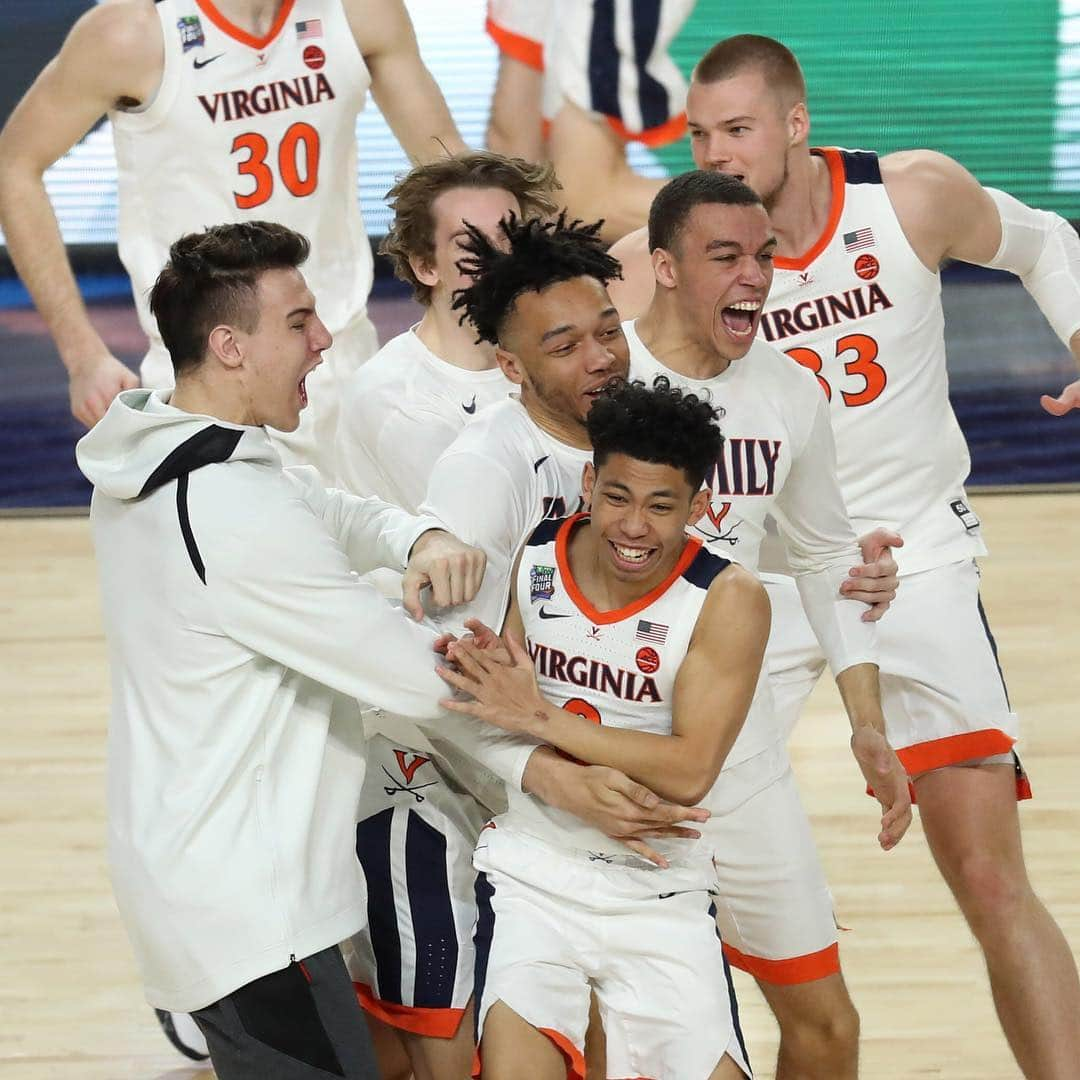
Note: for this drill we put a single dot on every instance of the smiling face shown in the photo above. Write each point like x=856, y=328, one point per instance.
x=482, y=207
x=639, y=514
x=563, y=346
x=720, y=268
x=285, y=346
x=742, y=127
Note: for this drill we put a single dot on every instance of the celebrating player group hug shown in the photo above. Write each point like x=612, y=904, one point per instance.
x=457, y=747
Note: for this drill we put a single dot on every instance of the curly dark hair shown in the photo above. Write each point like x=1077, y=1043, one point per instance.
x=540, y=254
x=660, y=424
x=211, y=278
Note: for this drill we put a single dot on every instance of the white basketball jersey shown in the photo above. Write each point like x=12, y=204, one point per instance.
x=615, y=668
x=245, y=128
x=401, y=410
x=862, y=312
x=767, y=414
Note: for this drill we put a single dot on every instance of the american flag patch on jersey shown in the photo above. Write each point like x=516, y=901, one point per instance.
x=860, y=238
x=651, y=631
x=308, y=28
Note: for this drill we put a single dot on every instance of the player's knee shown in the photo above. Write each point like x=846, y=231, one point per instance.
x=989, y=890
x=826, y=1037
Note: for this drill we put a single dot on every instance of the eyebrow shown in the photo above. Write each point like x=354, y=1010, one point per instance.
x=713, y=245
x=300, y=311
x=556, y=331
x=720, y=123
x=660, y=493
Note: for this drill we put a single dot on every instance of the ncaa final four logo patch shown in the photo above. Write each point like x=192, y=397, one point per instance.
x=191, y=33
x=541, y=582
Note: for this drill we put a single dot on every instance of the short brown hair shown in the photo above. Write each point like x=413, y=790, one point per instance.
x=412, y=233
x=775, y=61
x=211, y=278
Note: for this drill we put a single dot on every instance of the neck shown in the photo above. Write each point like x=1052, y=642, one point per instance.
x=568, y=430
x=254, y=16
x=664, y=332
x=441, y=332
x=800, y=209
x=194, y=394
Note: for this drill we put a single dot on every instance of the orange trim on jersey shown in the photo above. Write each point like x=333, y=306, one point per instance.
x=235, y=32
x=518, y=47
x=575, y=1059
x=951, y=750
x=606, y=618
x=668, y=132
x=435, y=1023
x=836, y=207
x=799, y=969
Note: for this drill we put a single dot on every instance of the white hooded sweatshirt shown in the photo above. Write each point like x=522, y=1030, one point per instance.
x=241, y=644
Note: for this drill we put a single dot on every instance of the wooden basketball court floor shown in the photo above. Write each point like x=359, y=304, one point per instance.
x=70, y=1002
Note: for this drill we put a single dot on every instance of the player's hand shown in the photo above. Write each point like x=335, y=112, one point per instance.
x=481, y=635
x=453, y=570
x=876, y=581
x=506, y=695
x=887, y=779
x=608, y=799
x=1066, y=401
x=94, y=384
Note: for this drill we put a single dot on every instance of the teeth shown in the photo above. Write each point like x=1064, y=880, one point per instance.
x=745, y=305
x=631, y=554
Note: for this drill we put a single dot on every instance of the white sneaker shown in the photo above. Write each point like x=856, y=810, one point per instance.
x=184, y=1034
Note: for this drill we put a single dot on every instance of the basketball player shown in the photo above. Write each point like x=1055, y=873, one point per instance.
x=579, y=79
x=857, y=299
x=399, y=412
x=647, y=650
x=406, y=405
x=240, y=642
x=221, y=110
x=544, y=304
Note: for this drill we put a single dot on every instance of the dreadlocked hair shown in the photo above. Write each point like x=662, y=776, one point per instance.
x=540, y=253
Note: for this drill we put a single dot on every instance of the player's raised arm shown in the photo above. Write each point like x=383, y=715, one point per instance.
x=112, y=57
x=947, y=214
x=401, y=84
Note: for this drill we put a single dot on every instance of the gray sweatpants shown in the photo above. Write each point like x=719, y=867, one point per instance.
x=300, y=1023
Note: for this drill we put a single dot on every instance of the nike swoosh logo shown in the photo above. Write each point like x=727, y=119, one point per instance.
x=552, y=614
x=665, y=895
x=471, y=407
x=537, y=464
x=202, y=63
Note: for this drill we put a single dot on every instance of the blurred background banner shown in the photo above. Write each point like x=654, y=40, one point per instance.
x=994, y=83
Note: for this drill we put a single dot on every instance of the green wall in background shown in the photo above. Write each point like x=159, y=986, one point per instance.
x=975, y=80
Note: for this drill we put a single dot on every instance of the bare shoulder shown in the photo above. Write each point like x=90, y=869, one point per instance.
x=117, y=45
x=633, y=292
x=736, y=599
x=937, y=201
x=379, y=26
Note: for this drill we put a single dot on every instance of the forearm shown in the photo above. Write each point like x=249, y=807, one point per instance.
x=845, y=638
x=37, y=250
x=670, y=765
x=861, y=693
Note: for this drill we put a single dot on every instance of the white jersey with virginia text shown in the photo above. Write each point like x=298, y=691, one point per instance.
x=615, y=668
x=401, y=410
x=245, y=128
x=862, y=312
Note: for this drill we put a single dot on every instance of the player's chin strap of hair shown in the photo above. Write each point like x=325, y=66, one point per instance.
x=1043, y=250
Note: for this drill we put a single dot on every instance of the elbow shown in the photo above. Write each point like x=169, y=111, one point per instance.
x=691, y=789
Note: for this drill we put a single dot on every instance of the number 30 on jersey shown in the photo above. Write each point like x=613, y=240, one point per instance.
x=297, y=164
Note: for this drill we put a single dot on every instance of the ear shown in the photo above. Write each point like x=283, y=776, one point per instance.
x=425, y=273
x=698, y=505
x=588, y=484
x=224, y=345
x=664, y=271
x=798, y=124
x=510, y=365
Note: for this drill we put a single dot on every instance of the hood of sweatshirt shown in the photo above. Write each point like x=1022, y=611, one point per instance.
x=142, y=442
